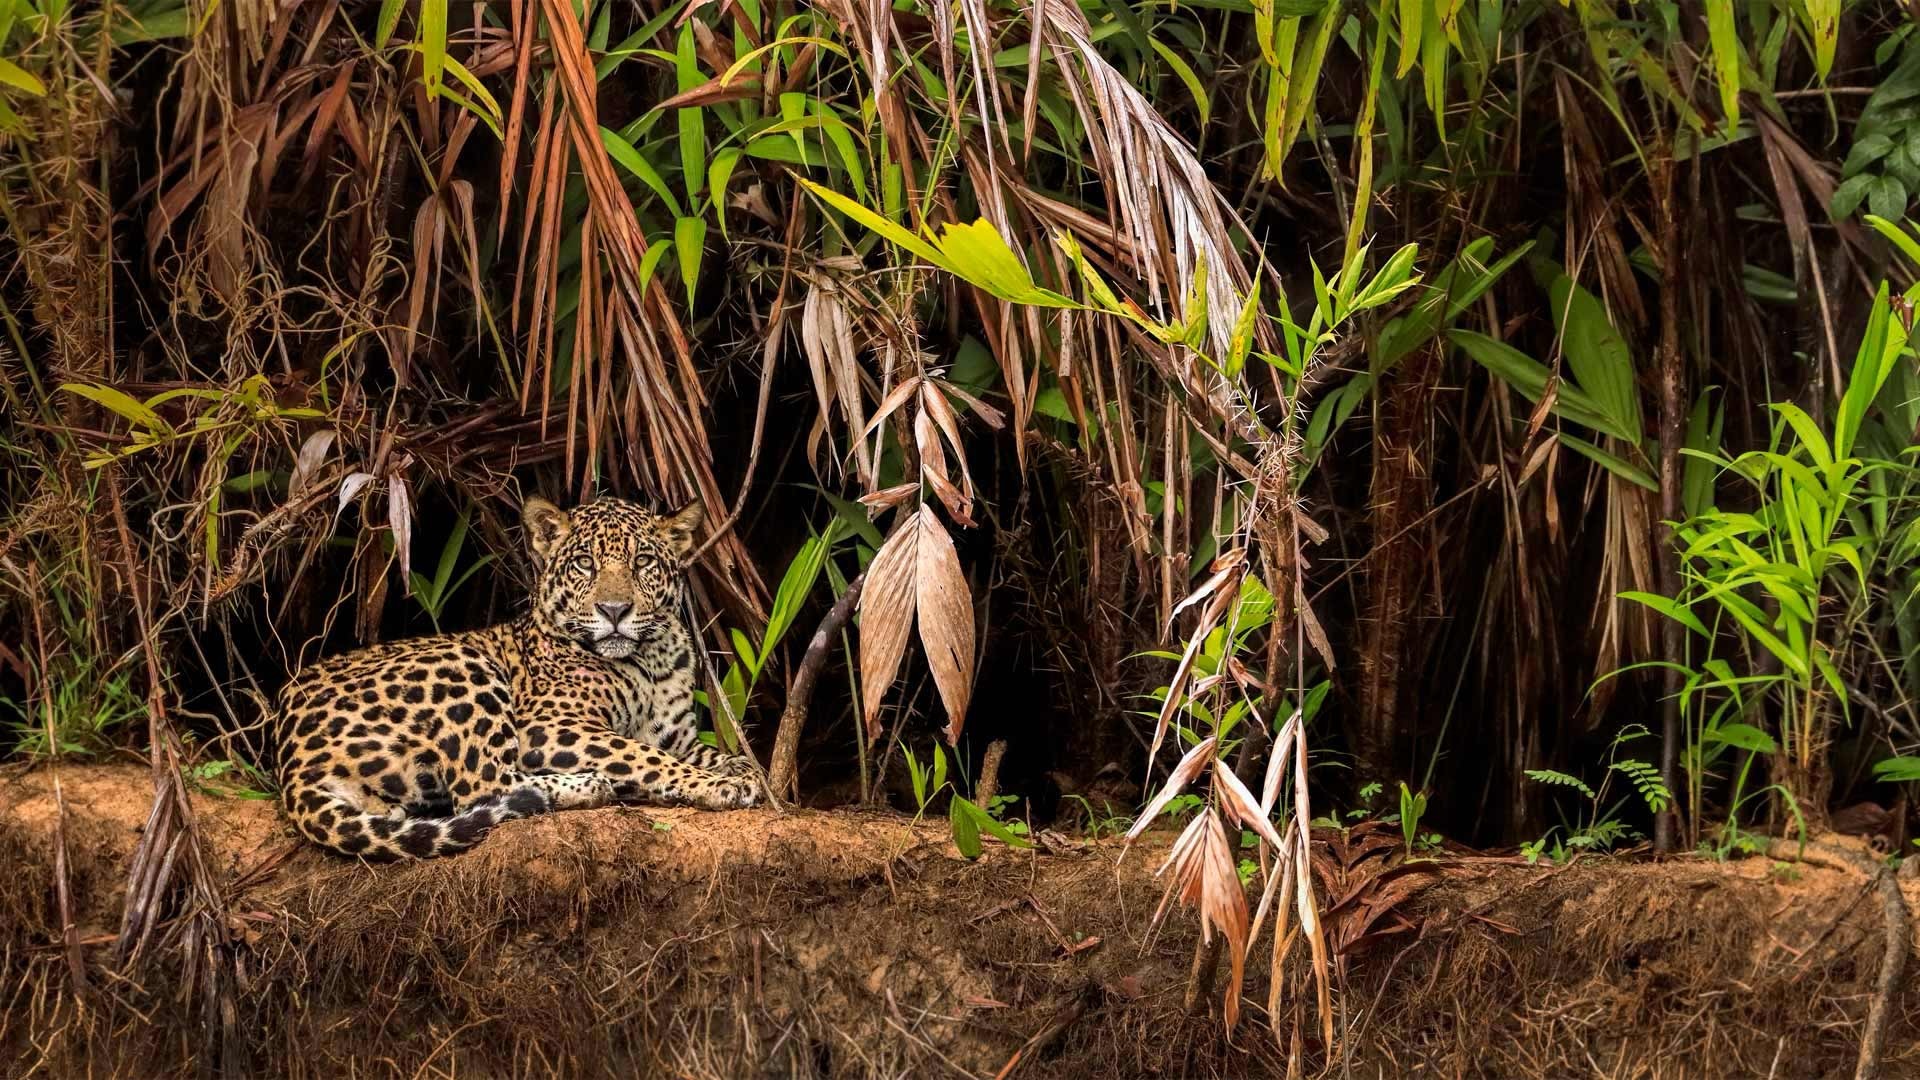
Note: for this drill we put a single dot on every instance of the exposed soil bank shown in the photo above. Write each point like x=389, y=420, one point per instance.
x=627, y=943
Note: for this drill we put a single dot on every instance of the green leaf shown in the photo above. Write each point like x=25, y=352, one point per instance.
x=1613, y=463
x=796, y=584
x=1529, y=377
x=433, y=43
x=1598, y=356
x=1723, y=40
x=12, y=74
x=389, y=18
x=966, y=829
x=163, y=25
x=1897, y=770
x=689, y=240
x=1887, y=197
x=978, y=253
x=1743, y=737
x=977, y=822
x=119, y=402
x=692, y=119
x=719, y=173
x=1185, y=74
x=892, y=233
x=1671, y=609
x=650, y=262
x=622, y=151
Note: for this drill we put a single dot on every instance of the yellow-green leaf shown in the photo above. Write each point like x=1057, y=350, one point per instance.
x=12, y=74
x=1723, y=40
x=689, y=239
x=118, y=402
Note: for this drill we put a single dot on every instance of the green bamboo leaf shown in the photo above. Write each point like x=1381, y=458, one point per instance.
x=1242, y=341
x=1529, y=377
x=689, y=240
x=1671, y=608
x=966, y=829
x=691, y=119
x=1810, y=437
x=650, y=262
x=1184, y=73
x=389, y=18
x=622, y=151
x=719, y=174
x=1723, y=39
x=1743, y=737
x=1898, y=770
x=433, y=43
x=1597, y=356
x=1614, y=464
x=1301, y=83
x=1823, y=25
x=476, y=88
x=119, y=402
x=892, y=233
x=12, y=74
x=978, y=253
x=1412, y=22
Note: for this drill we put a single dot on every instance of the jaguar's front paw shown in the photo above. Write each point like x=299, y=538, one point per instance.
x=728, y=794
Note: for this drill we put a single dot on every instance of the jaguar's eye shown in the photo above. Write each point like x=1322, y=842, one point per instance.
x=582, y=564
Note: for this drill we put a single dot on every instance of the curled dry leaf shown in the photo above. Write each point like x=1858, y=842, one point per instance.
x=313, y=454
x=887, y=498
x=350, y=489
x=1277, y=763
x=400, y=520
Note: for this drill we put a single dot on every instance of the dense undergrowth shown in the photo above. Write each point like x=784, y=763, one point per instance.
x=1482, y=416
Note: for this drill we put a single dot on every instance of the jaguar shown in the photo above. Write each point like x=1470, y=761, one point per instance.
x=417, y=748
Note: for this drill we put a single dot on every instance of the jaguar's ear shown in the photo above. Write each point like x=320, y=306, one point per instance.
x=546, y=525
x=680, y=526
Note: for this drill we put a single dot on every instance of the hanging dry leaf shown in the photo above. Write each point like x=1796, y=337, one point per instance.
x=350, y=489
x=313, y=454
x=400, y=520
x=1176, y=692
x=1277, y=763
x=886, y=617
x=1240, y=805
x=946, y=620
x=1224, y=904
x=1183, y=775
x=889, y=497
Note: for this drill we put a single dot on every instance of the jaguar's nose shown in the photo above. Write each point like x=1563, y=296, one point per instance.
x=613, y=610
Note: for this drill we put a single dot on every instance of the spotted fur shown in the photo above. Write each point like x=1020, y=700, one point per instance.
x=417, y=748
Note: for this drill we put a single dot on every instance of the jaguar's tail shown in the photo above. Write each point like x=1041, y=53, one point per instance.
x=338, y=825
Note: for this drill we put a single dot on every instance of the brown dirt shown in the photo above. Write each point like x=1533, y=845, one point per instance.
x=627, y=943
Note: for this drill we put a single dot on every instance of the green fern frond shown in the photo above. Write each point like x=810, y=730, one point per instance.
x=1549, y=776
x=1646, y=780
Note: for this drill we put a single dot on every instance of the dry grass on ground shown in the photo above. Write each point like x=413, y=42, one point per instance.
x=624, y=942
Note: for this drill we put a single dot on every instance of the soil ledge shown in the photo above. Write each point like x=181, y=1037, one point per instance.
x=624, y=942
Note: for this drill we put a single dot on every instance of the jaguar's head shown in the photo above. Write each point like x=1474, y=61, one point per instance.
x=610, y=574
